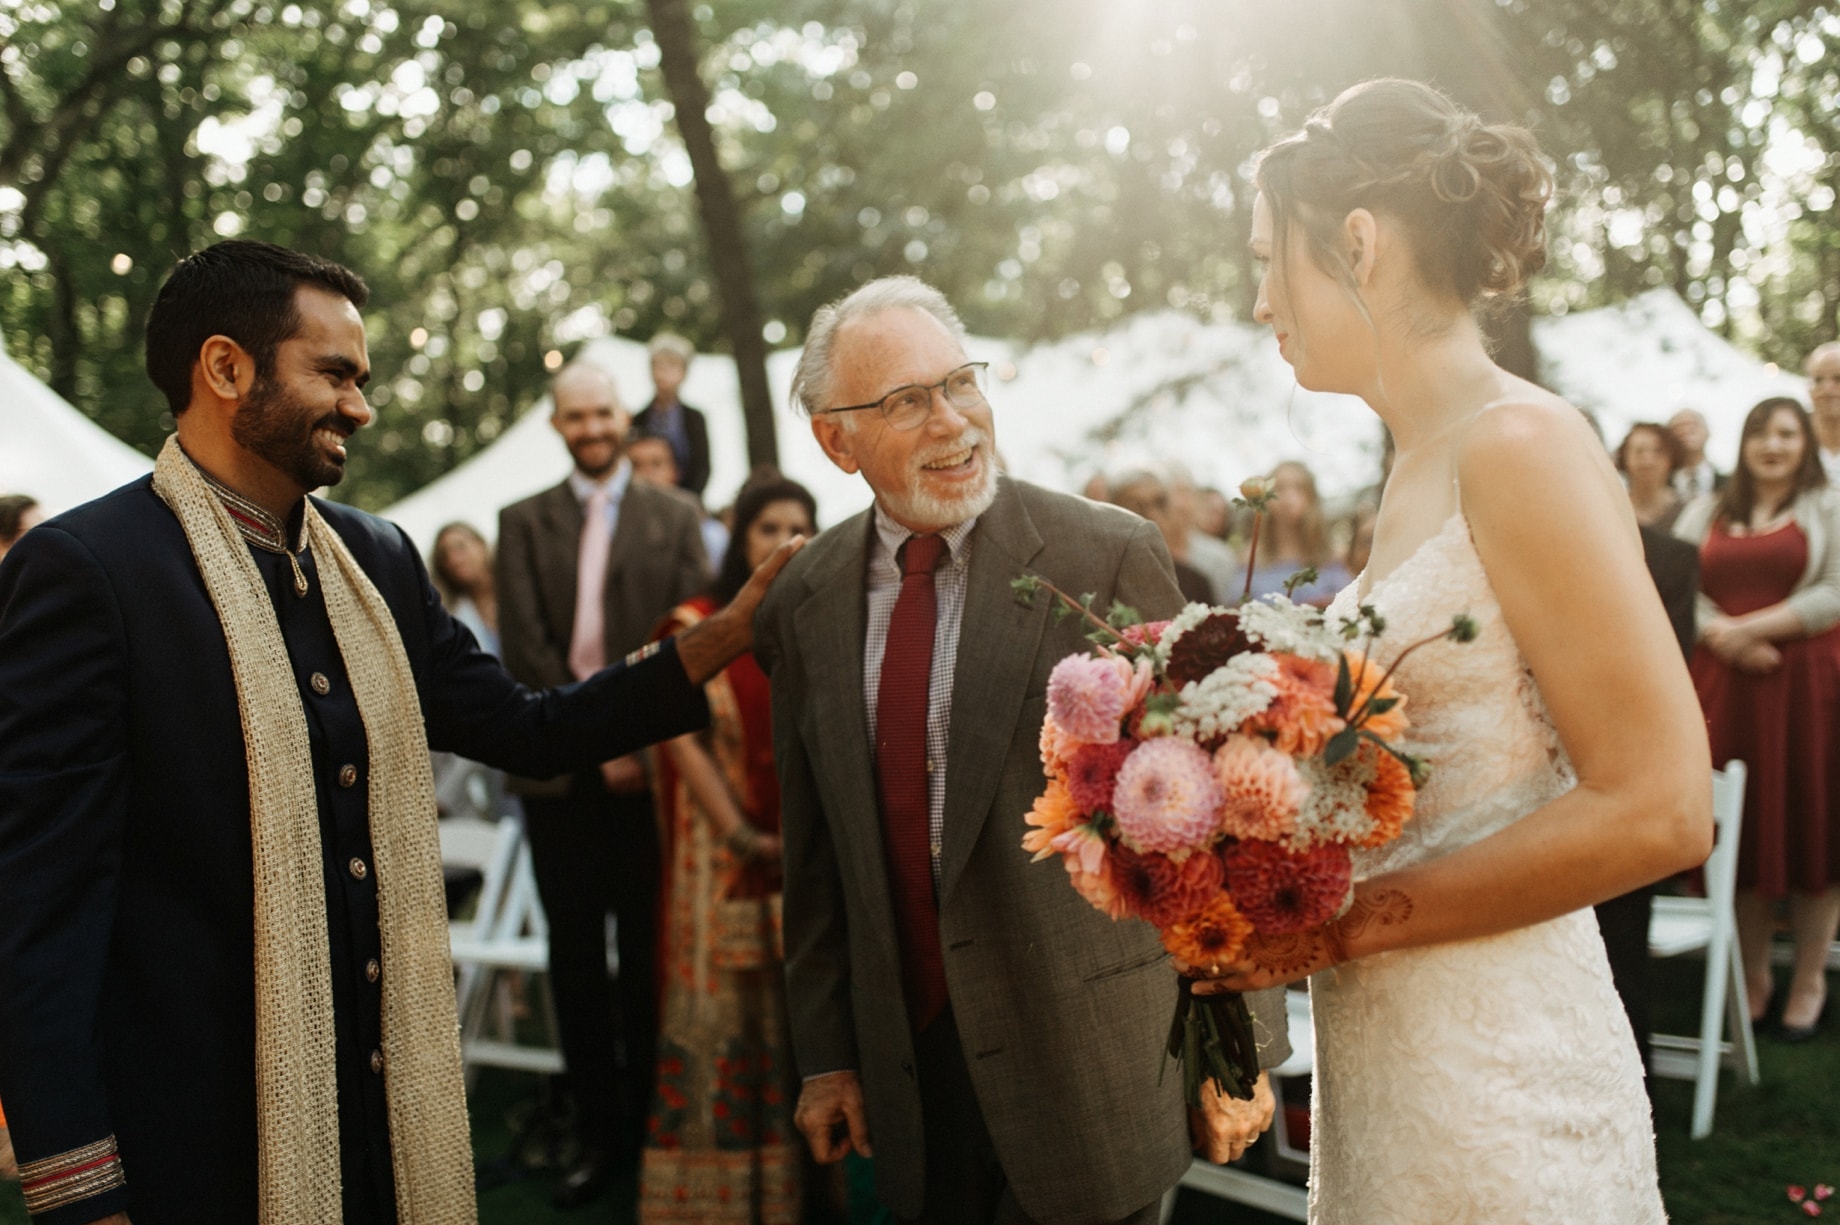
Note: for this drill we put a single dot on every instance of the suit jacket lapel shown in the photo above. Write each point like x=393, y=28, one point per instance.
x=560, y=549
x=831, y=626
x=996, y=657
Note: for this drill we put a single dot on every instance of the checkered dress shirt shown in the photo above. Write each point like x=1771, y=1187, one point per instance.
x=884, y=580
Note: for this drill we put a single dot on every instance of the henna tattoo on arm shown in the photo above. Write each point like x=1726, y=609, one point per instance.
x=1381, y=909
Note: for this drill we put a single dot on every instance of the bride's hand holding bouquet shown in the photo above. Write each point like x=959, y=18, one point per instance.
x=1210, y=775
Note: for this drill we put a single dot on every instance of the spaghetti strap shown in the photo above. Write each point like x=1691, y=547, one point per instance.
x=1455, y=481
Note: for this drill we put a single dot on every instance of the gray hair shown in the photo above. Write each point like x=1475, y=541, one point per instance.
x=673, y=344
x=811, y=382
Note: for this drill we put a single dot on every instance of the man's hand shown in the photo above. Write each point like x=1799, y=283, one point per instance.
x=1225, y=1127
x=712, y=643
x=830, y=1113
x=624, y=775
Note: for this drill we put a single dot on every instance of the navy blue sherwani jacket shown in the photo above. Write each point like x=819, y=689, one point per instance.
x=127, y=961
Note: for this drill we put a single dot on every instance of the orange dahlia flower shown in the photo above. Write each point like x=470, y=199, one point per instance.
x=1057, y=748
x=1262, y=787
x=1302, y=717
x=1211, y=938
x=1052, y=815
x=1390, y=796
x=1393, y=723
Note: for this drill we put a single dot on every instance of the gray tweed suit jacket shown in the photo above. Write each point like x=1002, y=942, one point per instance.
x=1062, y=1013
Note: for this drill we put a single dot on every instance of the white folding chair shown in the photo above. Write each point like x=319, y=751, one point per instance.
x=508, y=933
x=1680, y=925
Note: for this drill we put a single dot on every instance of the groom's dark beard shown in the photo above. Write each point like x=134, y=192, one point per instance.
x=275, y=426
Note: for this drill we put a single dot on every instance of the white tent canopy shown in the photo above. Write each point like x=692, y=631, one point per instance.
x=51, y=451
x=1158, y=387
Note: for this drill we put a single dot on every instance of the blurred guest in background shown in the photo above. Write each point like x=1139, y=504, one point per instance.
x=1292, y=536
x=1767, y=669
x=1145, y=495
x=1674, y=566
x=1097, y=488
x=670, y=418
x=18, y=515
x=1648, y=459
x=1823, y=368
x=655, y=463
x=1203, y=550
x=1213, y=512
x=721, y=1145
x=463, y=574
x=1694, y=474
x=585, y=570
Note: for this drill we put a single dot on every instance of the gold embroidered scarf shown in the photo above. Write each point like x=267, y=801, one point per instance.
x=297, y=1116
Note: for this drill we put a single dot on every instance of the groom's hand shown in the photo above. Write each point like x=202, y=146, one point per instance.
x=1225, y=1127
x=712, y=643
x=831, y=1115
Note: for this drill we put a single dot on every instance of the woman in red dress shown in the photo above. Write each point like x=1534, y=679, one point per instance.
x=720, y=1144
x=1767, y=669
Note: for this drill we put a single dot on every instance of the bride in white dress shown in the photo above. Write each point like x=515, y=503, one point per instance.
x=1473, y=1063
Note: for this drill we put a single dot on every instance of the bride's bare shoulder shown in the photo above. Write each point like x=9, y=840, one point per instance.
x=1534, y=452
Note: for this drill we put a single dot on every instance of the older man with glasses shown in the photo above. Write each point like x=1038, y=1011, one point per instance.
x=961, y=1012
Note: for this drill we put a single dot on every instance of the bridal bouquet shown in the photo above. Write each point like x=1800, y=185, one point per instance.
x=1210, y=775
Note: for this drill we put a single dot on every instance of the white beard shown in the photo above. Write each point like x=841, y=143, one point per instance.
x=915, y=505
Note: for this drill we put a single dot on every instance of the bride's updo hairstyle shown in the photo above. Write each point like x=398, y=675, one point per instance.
x=1471, y=197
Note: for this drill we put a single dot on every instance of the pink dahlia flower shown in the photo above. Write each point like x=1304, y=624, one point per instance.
x=1150, y=633
x=1088, y=697
x=1166, y=797
x=1263, y=789
x=1281, y=892
x=1093, y=772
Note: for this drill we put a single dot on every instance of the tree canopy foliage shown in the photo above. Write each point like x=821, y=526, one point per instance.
x=508, y=176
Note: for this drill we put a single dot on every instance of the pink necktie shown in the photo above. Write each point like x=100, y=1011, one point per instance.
x=900, y=775
x=588, y=642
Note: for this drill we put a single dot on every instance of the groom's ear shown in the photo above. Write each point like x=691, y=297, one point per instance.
x=1360, y=237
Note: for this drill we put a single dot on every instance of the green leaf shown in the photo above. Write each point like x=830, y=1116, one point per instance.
x=1302, y=578
x=1344, y=687
x=1025, y=588
x=1123, y=615
x=1382, y=705
x=1341, y=745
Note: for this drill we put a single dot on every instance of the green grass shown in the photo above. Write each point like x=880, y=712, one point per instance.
x=1786, y=1130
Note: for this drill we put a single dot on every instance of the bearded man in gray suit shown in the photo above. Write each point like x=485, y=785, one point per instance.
x=956, y=1009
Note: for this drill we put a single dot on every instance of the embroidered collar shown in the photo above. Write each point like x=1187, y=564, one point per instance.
x=262, y=529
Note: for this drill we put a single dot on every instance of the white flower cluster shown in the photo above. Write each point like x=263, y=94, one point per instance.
x=1336, y=807
x=1226, y=697
x=1293, y=629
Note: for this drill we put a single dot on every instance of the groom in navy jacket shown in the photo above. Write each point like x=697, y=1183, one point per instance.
x=127, y=950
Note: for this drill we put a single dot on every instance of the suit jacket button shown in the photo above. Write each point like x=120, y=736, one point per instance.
x=320, y=684
x=348, y=775
x=372, y=971
x=376, y=1061
x=357, y=868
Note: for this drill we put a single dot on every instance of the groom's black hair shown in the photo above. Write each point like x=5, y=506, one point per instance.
x=242, y=289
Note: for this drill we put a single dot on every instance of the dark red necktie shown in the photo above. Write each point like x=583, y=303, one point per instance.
x=901, y=778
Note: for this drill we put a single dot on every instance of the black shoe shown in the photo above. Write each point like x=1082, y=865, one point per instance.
x=1802, y=1033
x=585, y=1181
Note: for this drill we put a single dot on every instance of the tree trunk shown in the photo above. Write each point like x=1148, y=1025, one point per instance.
x=728, y=248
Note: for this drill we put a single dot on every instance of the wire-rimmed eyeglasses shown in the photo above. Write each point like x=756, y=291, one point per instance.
x=905, y=408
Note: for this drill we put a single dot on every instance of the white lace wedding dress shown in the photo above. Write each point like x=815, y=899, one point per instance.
x=1487, y=1081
